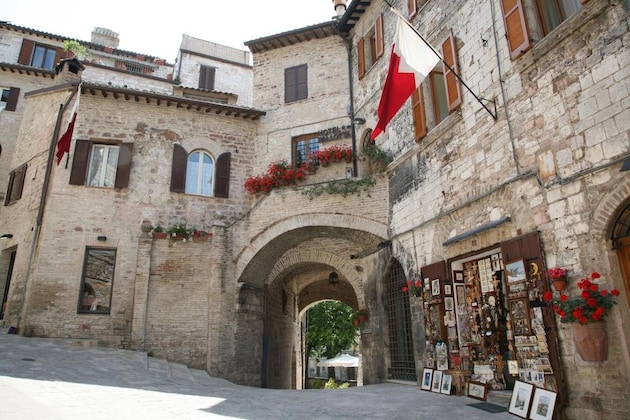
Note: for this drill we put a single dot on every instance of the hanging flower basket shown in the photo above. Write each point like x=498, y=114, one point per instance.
x=558, y=277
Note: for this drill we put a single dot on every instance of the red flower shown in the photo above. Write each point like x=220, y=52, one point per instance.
x=585, y=294
x=594, y=287
x=547, y=296
x=615, y=292
x=418, y=283
x=583, y=320
x=595, y=275
x=405, y=289
x=409, y=283
x=591, y=302
x=564, y=298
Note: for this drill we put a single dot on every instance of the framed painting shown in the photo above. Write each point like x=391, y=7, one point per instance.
x=448, y=290
x=435, y=287
x=519, y=312
x=477, y=390
x=515, y=271
x=427, y=375
x=448, y=303
x=521, y=397
x=512, y=367
x=543, y=404
x=460, y=294
x=437, y=381
x=458, y=276
x=447, y=380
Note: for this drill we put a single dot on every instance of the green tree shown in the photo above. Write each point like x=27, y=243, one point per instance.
x=330, y=329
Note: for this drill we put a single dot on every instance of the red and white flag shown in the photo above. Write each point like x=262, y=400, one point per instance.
x=412, y=60
x=63, y=145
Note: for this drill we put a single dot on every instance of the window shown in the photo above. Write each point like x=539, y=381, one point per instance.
x=101, y=165
x=303, y=146
x=39, y=55
x=16, y=185
x=370, y=48
x=443, y=89
x=9, y=98
x=548, y=14
x=205, y=177
x=295, y=83
x=199, y=173
x=206, y=77
x=96, y=284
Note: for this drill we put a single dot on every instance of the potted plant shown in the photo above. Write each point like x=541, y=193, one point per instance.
x=179, y=232
x=74, y=49
x=558, y=277
x=159, y=232
x=377, y=158
x=413, y=287
x=199, y=235
x=586, y=312
x=360, y=317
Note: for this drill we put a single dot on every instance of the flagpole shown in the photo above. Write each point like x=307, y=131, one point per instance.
x=396, y=12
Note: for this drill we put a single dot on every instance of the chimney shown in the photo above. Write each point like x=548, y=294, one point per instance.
x=105, y=37
x=340, y=7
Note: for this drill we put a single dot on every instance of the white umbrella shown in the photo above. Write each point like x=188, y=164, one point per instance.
x=344, y=360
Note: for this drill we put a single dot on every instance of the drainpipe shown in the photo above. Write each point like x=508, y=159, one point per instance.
x=42, y=205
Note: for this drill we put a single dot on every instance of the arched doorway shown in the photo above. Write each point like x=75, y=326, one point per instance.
x=401, y=349
x=620, y=237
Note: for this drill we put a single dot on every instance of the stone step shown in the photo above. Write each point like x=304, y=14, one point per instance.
x=157, y=365
x=179, y=373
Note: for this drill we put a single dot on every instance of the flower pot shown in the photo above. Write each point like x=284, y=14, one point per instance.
x=559, y=284
x=202, y=238
x=591, y=341
x=159, y=235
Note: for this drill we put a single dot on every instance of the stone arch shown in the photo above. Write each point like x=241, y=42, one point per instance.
x=604, y=213
x=332, y=221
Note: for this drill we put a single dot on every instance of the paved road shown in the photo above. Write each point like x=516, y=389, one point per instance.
x=56, y=379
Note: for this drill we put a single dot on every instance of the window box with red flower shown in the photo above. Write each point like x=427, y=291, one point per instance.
x=360, y=317
x=332, y=154
x=586, y=311
x=558, y=277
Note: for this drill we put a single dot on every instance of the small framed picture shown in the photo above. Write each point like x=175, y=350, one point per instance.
x=426, y=379
x=460, y=294
x=542, y=405
x=477, y=390
x=521, y=397
x=435, y=287
x=512, y=367
x=437, y=381
x=448, y=303
x=458, y=276
x=447, y=290
x=515, y=271
x=447, y=380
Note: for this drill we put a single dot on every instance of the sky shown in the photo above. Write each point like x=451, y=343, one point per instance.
x=155, y=28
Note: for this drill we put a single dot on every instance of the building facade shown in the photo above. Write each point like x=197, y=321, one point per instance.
x=497, y=176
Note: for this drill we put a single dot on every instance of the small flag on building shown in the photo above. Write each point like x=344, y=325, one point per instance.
x=63, y=145
x=412, y=60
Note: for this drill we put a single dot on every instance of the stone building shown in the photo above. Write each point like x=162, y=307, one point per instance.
x=496, y=177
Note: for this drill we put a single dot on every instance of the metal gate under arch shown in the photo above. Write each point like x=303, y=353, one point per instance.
x=403, y=366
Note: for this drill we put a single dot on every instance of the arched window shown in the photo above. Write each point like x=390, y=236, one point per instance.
x=199, y=173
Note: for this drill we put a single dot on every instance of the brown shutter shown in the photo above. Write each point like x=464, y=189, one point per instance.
x=451, y=82
x=411, y=7
x=7, y=197
x=26, y=52
x=206, y=77
x=14, y=94
x=222, y=181
x=178, y=169
x=59, y=55
x=361, y=57
x=378, y=29
x=124, y=165
x=80, y=162
x=18, y=186
x=516, y=30
x=419, y=116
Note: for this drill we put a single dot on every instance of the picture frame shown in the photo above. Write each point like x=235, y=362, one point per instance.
x=512, y=367
x=435, y=287
x=477, y=390
x=427, y=375
x=460, y=294
x=448, y=303
x=448, y=290
x=458, y=276
x=447, y=380
x=519, y=312
x=515, y=271
x=437, y=381
x=521, y=398
x=543, y=404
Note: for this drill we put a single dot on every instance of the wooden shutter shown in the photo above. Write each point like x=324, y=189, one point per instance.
x=451, y=82
x=361, y=58
x=290, y=79
x=378, y=30
x=516, y=30
x=26, y=52
x=412, y=7
x=14, y=94
x=206, y=77
x=419, y=116
x=80, y=162
x=124, y=165
x=222, y=181
x=178, y=169
x=7, y=197
x=302, y=82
